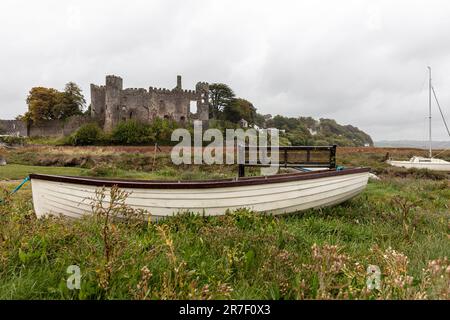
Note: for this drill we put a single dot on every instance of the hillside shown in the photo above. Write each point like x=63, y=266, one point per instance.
x=308, y=131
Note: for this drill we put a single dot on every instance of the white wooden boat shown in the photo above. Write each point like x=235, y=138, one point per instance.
x=422, y=163
x=277, y=194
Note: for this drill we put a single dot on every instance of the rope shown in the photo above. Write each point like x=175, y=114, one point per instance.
x=440, y=110
x=18, y=187
x=443, y=118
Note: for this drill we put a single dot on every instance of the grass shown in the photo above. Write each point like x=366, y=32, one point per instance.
x=17, y=171
x=399, y=223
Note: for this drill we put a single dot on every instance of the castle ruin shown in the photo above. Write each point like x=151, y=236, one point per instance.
x=111, y=104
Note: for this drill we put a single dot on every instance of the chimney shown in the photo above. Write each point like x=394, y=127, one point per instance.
x=179, y=82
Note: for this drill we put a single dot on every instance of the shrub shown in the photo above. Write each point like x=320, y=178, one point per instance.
x=87, y=134
x=13, y=140
x=162, y=130
x=132, y=133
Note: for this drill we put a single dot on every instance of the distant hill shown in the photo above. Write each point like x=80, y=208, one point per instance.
x=412, y=144
x=308, y=131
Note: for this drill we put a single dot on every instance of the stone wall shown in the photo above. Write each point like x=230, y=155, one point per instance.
x=58, y=128
x=13, y=128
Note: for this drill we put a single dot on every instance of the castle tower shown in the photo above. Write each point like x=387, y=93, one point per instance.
x=114, y=86
x=98, y=103
x=202, y=90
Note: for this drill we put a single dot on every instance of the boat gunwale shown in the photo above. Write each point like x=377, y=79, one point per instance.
x=199, y=184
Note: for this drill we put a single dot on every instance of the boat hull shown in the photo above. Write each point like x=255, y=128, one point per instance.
x=292, y=193
x=438, y=166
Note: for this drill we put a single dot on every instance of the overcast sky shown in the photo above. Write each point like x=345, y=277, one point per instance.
x=359, y=62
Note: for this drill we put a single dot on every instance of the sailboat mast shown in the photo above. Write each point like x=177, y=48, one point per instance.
x=429, y=112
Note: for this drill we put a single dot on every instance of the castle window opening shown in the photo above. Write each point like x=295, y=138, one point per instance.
x=193, y=106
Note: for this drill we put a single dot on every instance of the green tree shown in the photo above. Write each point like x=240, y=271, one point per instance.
x=49, y=104
x=220, y=97
x=71, y=102
x=246, y=109
x=232, y=112
x=87, y=134
x=239, y=109
x=162, y=130
x=41, y=104
x=132, y=132
x=260, y=120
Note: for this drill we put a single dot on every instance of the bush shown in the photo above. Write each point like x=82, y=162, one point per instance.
x=87, y=134
x=132, y=133
x=129, y=132
x=162, y=130
x=13, y=140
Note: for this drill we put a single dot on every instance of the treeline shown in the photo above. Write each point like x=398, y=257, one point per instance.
x=225, y=112
x=308, y=131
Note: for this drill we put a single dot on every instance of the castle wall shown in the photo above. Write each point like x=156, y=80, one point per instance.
x=171, y=104
x=58, y=128
x=135, y=104
x=13, y=127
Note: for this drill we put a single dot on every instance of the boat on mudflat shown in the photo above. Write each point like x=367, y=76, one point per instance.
x=422, y=163
x=277, y=194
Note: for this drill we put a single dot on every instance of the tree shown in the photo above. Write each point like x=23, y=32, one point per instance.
x=71, y=102
x=240, y=109
x=49, y=104
x=220, y=96
x=246, y=109
x=41, y=104
x=87, y=134
x=260, y=120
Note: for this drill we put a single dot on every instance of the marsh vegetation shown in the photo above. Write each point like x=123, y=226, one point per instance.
x=400, y=223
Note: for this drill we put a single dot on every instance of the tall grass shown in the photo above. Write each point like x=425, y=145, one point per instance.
x=399, y=225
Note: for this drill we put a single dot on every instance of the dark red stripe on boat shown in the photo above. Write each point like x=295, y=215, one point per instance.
x=153, y=184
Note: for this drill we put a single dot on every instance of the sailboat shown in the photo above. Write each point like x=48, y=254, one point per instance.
x=429, y=163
